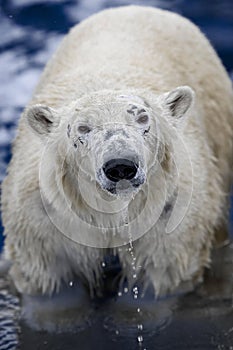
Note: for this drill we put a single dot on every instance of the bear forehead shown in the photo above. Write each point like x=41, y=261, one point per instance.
x=110, y=97
x=108, y=106
x=119, y=102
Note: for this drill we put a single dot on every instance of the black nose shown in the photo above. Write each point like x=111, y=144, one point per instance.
x=120, y=169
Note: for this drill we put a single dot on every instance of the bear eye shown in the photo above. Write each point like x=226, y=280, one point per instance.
x=143, y=119
x=84, y=129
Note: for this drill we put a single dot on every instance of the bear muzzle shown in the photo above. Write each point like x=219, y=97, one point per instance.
x=121, y=175
x=120, y=169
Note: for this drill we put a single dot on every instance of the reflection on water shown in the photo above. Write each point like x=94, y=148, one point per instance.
x=9, y=316
x=196, y=320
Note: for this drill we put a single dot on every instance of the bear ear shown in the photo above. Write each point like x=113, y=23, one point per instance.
x=178, y=101
x=41, y=119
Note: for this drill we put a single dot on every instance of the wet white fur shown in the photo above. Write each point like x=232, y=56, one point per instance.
x=138, y=51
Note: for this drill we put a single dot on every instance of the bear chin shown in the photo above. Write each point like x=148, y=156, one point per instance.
x=122, y=189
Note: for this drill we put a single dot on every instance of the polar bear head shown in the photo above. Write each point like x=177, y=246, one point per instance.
x=114, y=138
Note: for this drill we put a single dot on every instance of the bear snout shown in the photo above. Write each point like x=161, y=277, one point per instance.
x=121, y=175
x=120, y=169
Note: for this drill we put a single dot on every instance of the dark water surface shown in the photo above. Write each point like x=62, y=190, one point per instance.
x=200, y=320
x=30, y=31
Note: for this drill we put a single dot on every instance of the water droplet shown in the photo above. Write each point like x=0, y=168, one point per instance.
x=125, y=290
x=71, y=283
x=117, y=332
x=140, y=338
x=135, y=289
x=119, y=294
x=103, y=264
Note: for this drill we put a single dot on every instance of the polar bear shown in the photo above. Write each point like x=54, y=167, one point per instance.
x=132, y=121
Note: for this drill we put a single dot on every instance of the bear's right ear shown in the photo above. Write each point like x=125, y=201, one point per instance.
x=178, y=101
x=42, y=119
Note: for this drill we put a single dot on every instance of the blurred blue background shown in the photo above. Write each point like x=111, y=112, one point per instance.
x=30, y=31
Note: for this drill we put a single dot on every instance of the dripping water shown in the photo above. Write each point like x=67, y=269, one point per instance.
x=135, y=289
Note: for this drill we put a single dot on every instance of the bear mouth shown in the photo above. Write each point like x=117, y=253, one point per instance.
x=123, y=190
x=123, y=187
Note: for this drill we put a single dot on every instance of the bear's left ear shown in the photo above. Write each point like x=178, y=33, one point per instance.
x=178, y=101
x=41, y=119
